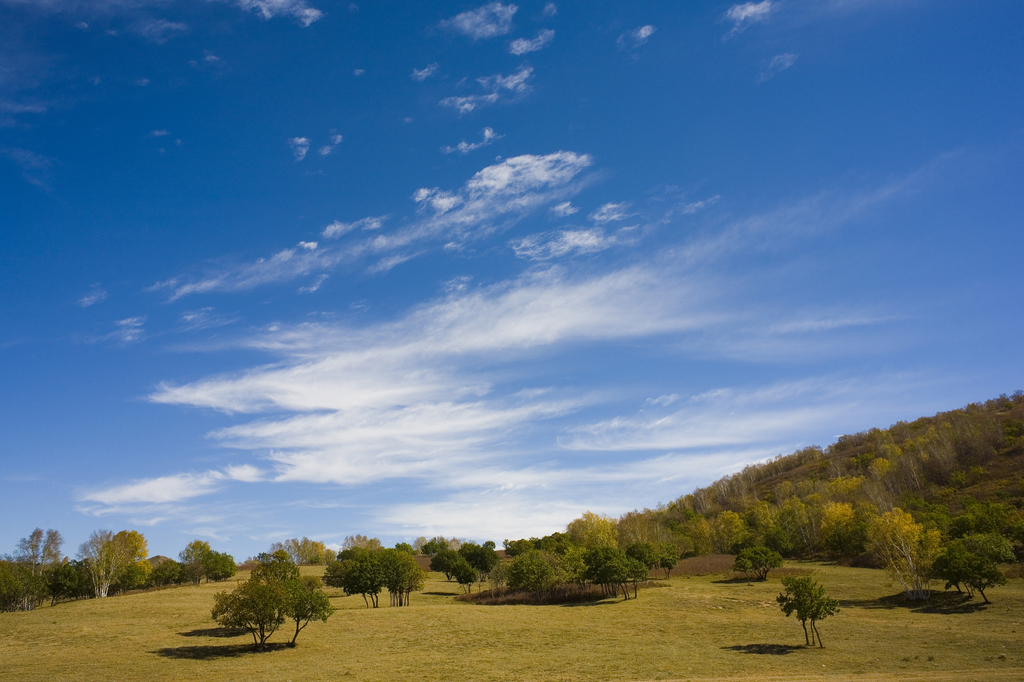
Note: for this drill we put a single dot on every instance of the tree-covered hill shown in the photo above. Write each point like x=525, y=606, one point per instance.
x=958, y=472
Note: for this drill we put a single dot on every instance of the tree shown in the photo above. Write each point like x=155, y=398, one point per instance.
x=63, y=582
x=971, y=561
x=306, y=552
x=905, y=549
x=668, y=558
x=362, y=575
x=645, y=553
x=636, y=572
x=167, y=573
x=593, y=530
x=107, y=555
x=361, y=541
x=728, y=532
x=531, y=571
x=443, y=561
x=463, y=573
x=757, y=560
x=39, y=550
x=219, y=566
x=258, y=605
x=20, y=588
x=808, y=599
x=481, y=557
x=193, y=560
x=277, y=566
x=608, y=567
x=306, y=602
x=405, y=547
x=401, y=575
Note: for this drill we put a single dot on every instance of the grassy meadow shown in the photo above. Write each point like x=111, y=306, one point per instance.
x=690, y=627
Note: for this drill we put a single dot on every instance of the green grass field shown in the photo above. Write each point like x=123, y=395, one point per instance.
x=699, y=627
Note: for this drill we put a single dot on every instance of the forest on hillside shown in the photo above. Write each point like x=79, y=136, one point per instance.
x=958, y=473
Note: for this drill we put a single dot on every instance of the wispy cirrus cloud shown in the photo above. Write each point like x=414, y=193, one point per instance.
x=522, y=46
x=744, y=15
x=426, y=72
x=635, y=38
x=489, y=21
x=159, y=30
x=268, y=9
x=558, y=244
x=463, y=147
x=96, y=295
x=499, y=86
x=492, y=199
x=776, y=65
x=299, y=145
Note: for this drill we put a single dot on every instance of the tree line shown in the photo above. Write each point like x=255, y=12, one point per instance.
x=107, y=564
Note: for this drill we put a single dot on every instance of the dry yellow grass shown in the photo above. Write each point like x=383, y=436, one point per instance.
x=697, y=628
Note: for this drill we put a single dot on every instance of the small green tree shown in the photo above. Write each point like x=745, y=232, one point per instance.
x=306, y=602
x=219, y=566
x=757, y=560
x=258, y=605
x=443, y=561
x=531, y=571
x=401, y=575
x=193, y=560
x=808, y=599
x=63, y=582
x=167, y=573
x=464, y=574
x=971, y=561
x=363, y=576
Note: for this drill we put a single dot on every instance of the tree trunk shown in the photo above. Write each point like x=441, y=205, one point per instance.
x=807, y=640
x=814, y=627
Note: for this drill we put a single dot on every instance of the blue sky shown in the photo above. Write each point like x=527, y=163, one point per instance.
x=274, y=268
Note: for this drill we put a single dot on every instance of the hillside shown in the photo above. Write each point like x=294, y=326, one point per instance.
x=959, y=472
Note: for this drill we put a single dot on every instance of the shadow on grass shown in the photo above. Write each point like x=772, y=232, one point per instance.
x=738, y=579
x=444, y=594
x=764, y=649
x=939, y=602
x=207, y=653
x=215, y=632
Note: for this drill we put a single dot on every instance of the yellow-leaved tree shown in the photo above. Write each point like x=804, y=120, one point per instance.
x=906, y=550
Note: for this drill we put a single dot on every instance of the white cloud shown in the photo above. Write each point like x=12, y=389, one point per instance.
x=325, y=150
x=516, y=82
x=426, y=72
x=523, y=46
x=299, y=145
x=564, y=209
x=505, y=191
x=636, y=37
x=315, y=286
x=468, y=103
x=128, y=330
x=94, y=296
x=337, y=228
x=498, y=85
x=550, y=10
x=611, y=212
x=358, y=72
x=465, y=147
x=159, y=30
x=778, y=63
x=491, y=20
x=203, y=318
x=564, y=242
x=748, y=13
x=268, y=9
x=664, y=400
x=157, y=490
x=159, y=133
x=283, y=265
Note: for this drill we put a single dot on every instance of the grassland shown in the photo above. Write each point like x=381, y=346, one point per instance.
x=698, y=627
